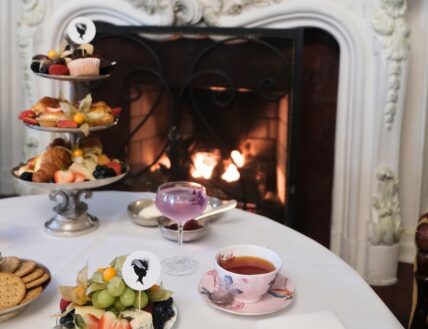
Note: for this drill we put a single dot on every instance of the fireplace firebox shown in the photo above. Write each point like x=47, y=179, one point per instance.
x=250, y=113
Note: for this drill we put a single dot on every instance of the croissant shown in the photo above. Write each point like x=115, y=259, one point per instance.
x=52, y=160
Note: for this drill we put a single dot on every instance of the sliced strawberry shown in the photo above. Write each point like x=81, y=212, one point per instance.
x=78, y=177
x=66, y=124
x=116, y=111
x=110, y=321
x=64, y=177
x=63, y=304
x=31, y=121
x=115, y=166
x=91, y=321
x=26, y=114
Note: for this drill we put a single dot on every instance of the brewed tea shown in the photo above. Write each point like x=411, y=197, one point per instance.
x=246, y=265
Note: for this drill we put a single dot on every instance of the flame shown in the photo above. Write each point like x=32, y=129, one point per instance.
x=164, y=160
x=238, y=158
x=204, y=164
x=231, y=173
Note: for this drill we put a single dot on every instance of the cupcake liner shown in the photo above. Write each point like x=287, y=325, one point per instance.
x=83, y=67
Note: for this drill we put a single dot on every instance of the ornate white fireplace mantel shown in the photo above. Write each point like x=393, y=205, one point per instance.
x=373, y=39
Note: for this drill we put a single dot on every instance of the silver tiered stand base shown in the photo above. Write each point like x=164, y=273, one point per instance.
x=71, y=218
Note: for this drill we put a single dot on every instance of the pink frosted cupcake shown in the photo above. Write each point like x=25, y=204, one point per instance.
x=83, y=67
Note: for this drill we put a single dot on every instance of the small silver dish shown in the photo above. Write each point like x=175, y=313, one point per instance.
x=134, y=209
x=188, y=235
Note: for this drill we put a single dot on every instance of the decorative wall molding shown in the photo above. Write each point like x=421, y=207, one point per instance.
x=390, y=23
x=206, y=12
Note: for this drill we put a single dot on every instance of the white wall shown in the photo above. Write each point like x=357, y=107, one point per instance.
x=11, y=94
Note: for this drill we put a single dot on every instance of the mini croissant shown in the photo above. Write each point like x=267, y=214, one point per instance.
x=52, y=160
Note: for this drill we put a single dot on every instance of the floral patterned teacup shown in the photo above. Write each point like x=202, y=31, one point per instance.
x=247, y=288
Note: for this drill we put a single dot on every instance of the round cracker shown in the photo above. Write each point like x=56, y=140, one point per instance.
x=37, y=273
x=27, y=266
x=12, y=290
x=45, y=277
x=31, y=294
x=10, y=264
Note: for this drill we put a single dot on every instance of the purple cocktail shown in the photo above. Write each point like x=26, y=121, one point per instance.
x=181, y=202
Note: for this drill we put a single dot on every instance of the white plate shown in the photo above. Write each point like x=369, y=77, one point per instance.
x=70, y=130
x=72, y=186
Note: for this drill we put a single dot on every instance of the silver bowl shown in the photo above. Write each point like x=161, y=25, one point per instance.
x=188, y=235
x=12, y=312
x=134, y=209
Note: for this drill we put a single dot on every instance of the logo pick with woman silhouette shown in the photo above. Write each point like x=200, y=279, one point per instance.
x=141, y=270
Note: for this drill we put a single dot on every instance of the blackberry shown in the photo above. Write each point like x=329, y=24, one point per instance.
x=162, y=312
x=28, y=176
x=103, y=172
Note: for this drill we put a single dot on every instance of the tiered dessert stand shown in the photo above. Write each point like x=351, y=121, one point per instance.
x=71, y=217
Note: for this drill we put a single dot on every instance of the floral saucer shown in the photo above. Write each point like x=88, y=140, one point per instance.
x=280, y=295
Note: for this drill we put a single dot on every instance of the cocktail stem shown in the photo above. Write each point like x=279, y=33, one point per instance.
x=180, y=243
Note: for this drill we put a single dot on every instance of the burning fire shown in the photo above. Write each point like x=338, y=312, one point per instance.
x=204, y=164
x=231, y=174
x=164, y=160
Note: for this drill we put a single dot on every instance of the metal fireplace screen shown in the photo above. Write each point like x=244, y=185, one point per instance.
x=219, y=106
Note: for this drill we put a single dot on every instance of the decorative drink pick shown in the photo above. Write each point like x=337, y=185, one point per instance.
x=180, y=202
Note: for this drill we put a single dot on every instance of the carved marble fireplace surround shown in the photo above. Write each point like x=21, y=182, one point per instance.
x=374, y=45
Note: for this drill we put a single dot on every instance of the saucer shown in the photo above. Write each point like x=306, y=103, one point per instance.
x=280, y=296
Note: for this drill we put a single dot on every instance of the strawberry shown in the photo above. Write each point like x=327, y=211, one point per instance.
x=78, y=177
x=31, y=121
x=53, y=109
x=26, y=114
x=63, y=304
x=91, y=321
x=64, y=177
x=66, y=124
x=115, y=166
x=116, y=111
x=58, y=69
x=109, y=321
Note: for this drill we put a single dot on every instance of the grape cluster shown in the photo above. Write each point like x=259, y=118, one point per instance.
x=103, y=172
x=68, y=320
x=162, y=312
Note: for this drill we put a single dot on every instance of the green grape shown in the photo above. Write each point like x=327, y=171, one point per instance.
x=116, y=286
x=144, y=300
x=128, y=297
x=119, y=306
x=104, y=299
x=95, y=299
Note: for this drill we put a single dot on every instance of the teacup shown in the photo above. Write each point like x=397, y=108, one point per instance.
x=246, y=287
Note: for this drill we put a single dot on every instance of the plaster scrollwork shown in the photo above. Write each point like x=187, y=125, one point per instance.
x=33, y=12
x=389, y=21
x=204, y=12
x=386, y=229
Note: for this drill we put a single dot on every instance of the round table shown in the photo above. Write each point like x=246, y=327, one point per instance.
x=323, y=281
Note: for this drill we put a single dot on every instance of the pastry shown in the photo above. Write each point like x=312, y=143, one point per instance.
x=99, y=114
x=83, y=67
x=50, y=119
x=52, y=160
x=91, y=144
x=43, y=104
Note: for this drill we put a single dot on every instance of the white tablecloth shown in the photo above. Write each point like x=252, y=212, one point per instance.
x=323, y=281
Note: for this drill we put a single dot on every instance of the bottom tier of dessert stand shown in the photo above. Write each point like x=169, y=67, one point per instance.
x=72, y=218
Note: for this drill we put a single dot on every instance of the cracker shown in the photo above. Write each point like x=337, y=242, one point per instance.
x=45, y=277
x=27, y=266
x=10, y=264
x=12, y=290
x=31, y=294
x=37, y=273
